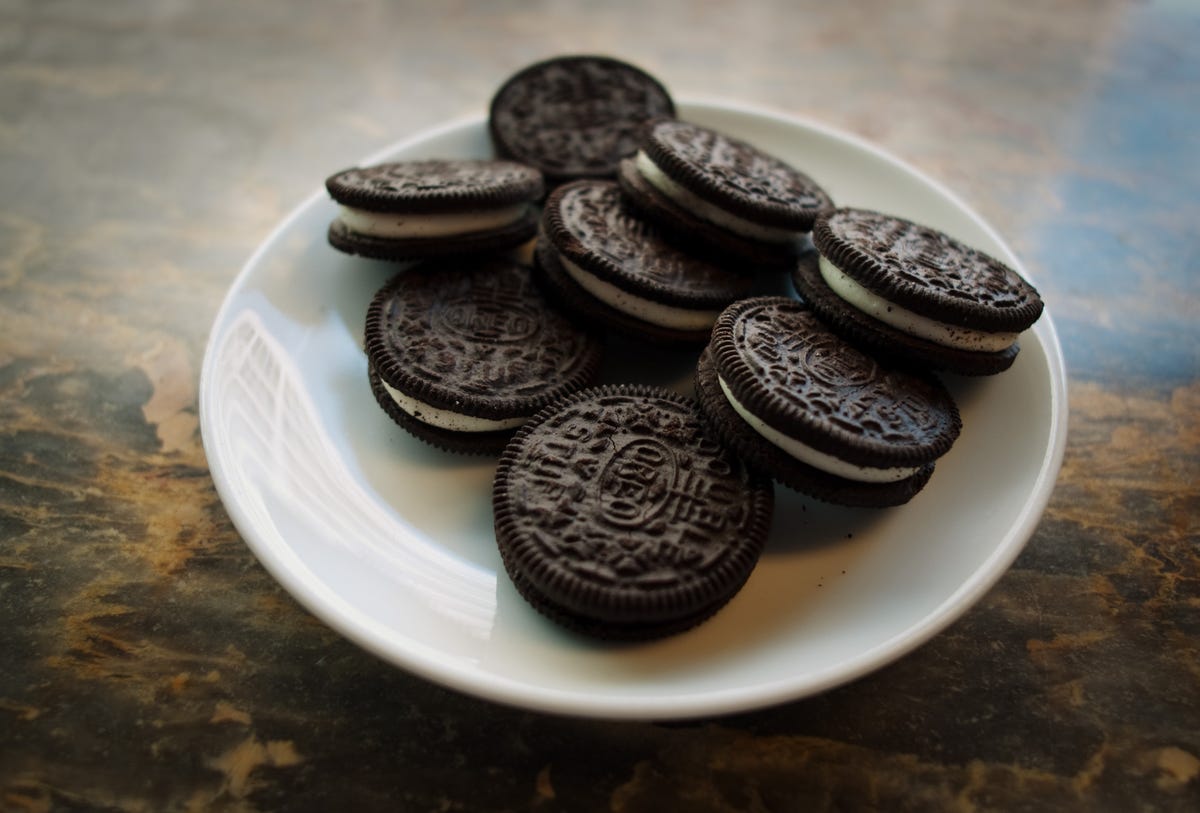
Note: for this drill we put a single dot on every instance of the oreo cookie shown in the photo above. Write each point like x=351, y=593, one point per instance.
x=915, y=294
x=800, y=403
x=605, y=262
x=416, y=209
x=462, y=352
x=617, y=515
x=721, y=192
x=574, y=116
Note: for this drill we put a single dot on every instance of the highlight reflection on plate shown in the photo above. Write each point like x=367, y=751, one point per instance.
x=390, y=541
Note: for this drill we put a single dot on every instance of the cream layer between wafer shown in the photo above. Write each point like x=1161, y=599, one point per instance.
x=813, y=457
x=706, y=210
x=446, y=224
x=637, y=307
x=446, y=418
x=877, y=307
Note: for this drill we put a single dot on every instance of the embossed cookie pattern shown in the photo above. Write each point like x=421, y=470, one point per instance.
x=619, y=491
x=802, y=364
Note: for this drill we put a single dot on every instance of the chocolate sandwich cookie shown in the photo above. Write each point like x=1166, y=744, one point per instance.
x=575, y=116
x=606, y=263
x=618, y=515
x=916, y=295
x=463, y=351
x=721, y=192
x=803, y=405
x=415, y=209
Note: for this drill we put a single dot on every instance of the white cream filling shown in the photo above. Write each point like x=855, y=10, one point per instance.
x=448, y=419
x=703, y=209
x=636, y=306
x=813, y=457
x=394, y=224
x=905, y=320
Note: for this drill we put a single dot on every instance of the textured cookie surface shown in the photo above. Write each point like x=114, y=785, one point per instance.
x=735, y=175
x=590, y=224
x=575, y=116
x=788, y=369
x=617, y=514
x=476, y=337
x=926, y=271
x=431, y=186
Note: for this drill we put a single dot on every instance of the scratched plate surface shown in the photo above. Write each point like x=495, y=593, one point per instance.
x=390, y=541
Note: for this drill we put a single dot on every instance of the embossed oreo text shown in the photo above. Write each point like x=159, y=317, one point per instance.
x=622, y=492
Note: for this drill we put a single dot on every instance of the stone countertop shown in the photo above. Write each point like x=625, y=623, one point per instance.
x=148, y=662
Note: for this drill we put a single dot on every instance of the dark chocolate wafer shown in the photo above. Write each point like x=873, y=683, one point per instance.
x=618, y=515
x=575, y=116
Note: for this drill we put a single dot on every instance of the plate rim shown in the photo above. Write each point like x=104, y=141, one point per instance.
x=348, y=622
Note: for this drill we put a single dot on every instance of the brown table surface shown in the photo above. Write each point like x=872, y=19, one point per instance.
x=148, y=662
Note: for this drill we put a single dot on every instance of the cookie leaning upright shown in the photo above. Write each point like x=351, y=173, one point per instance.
x=415, y=209
x=604, y=262
x=574, y=116
x=462, y=352
x=617, y=515
x=801, y=404
x=721, y=192
x=916, y=295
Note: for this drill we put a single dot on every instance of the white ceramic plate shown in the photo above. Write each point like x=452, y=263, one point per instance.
x=390, y=542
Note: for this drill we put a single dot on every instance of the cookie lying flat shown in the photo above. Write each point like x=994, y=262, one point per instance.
x=618, y=516
x=801, y=404
x=415, y=209
x=606, y=263
x=574, y=116
x=916, y=295
x=462, y=352
x=721, y=192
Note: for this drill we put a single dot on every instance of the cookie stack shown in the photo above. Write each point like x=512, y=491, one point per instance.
x=626, y=511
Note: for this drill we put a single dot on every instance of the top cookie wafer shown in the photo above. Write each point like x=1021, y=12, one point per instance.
x=927, y=271
x=575, y=116
x=418, y=187
x=734, y=175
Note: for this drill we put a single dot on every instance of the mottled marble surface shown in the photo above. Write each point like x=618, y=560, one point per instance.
x=149, y=663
